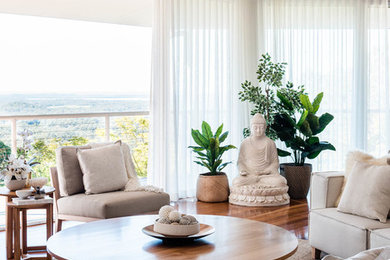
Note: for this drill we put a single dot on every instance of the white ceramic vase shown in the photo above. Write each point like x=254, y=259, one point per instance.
x=15, y=184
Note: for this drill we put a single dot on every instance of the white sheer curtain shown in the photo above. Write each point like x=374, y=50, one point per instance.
x=202, y=51
x=339, y=47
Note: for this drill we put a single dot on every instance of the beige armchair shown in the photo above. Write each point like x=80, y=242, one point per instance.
x=337, y=233
x=78, y=206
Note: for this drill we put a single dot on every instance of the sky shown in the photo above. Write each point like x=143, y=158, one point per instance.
x=50, y=55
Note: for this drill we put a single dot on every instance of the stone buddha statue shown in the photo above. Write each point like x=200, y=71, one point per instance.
x=259, y=182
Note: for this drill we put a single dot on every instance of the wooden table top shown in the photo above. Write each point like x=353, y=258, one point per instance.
x=122, y=238
x=8, y=193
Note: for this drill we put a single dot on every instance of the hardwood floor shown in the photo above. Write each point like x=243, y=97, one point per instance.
x=293, y=217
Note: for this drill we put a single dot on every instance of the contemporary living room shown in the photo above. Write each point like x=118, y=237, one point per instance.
x=195, y=129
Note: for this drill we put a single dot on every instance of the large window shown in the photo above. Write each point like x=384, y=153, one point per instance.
x=55, y=66
x=59, y=66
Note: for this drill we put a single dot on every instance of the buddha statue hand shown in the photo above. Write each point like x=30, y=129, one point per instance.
x=243, y=173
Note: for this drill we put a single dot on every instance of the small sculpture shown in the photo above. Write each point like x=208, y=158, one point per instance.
x=259, y=182
x=168, y=215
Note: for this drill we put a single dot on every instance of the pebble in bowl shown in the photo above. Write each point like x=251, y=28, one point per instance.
x=173, y=223
x=23, y=194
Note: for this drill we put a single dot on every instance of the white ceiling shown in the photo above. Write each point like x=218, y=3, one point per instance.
x=130, y=12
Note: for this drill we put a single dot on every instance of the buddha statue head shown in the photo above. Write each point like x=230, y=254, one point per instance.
x=258, y=125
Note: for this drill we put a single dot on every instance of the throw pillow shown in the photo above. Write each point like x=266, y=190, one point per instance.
x=130, y=169
x=103, y=169
x=367, y=192
x=70, y=177
x=358, y=156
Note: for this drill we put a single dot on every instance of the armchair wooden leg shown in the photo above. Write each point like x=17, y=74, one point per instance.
x=58, y=225
x=315, y=253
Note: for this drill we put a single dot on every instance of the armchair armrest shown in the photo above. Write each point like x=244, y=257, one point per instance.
x=325, y=188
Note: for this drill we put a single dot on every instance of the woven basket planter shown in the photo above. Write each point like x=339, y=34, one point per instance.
x=212, y=188
x=298, y=179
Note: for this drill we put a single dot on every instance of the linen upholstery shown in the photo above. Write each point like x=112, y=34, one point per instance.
x=70, y=177
x=380, y=237
x=103, y=169
x=126, y=151
x=339, y=233
x=325, y=188
x=358, y=156
x=381, y=253
x=112, y=204
x=367, y=192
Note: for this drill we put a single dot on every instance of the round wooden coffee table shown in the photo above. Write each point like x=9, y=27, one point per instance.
x=122, y=238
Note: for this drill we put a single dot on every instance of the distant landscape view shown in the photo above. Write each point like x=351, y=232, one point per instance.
x=48, y=134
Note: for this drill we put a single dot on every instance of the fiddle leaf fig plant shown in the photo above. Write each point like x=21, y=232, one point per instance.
x=299, y=134
x=209, y=150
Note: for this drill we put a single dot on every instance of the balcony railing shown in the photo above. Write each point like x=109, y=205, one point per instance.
x=106, y=115
x=38, y=216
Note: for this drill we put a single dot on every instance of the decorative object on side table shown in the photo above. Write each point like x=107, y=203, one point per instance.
x=23, y=194
x=212, y=186
x=259, y=182
x=280, y=106
x=16, y=170
x=15, y=173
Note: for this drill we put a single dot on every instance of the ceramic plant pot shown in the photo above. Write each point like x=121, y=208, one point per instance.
x=298, y=179
x=15, y=184
x=212, y=188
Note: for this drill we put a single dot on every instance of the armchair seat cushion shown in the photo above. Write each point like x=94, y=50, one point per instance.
x=112, y=204
x=346, y=234
x=380, y=237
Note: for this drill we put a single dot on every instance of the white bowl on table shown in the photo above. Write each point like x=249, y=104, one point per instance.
x=23, y=194
x=176, y=230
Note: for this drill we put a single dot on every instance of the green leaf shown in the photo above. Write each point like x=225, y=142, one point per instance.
x=220, y=168
x=285, y=101
x=204, y=164
x=215, y=165
x=324, y=120
x=306, y=103
x=205, y=141
x=305, y=129
x=196, y=148
x=313, y=122
x=283, y=153
x=317, y=102
x=318, y=148
x=212, y=147
x=313, y=140
x=219, y=131
x=201, y=154
x=223, y=149
x=223, y=136
x=303, y=118
x=206, y=130
x=196, y=137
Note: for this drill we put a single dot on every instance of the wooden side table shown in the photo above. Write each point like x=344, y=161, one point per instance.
x=9, y=228
x=22, y=248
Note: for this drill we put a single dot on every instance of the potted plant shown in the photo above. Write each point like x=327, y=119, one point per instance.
x=212, y=186
x=300, y=137
x=280, y=105
x=16, y=170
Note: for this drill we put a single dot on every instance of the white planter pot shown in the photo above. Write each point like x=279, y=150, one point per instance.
x=15, y=184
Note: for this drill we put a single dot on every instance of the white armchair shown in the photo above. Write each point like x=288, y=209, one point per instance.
x=337, y=233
